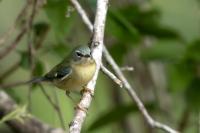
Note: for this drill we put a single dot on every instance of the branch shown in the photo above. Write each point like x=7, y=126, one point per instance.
x=87, y=22
x=31, y=125
x=127, y=86
x=12, y=29
x=10, y=71
x=24, y=29
x=111, y=75
x=82, y=14
x=14, y=43
x=15, y=84
x=54, y=105
x=185, y=116
x=126, y=68
x=97, y=47
x=135, y=97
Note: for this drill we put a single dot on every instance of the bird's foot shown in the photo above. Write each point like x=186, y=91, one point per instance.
x=78, y=107
x=71, y=124
x=85, y=89
x=68, y=95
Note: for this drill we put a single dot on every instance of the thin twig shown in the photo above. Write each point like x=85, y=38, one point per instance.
x=10, y=71
x=24, y=29
x=82, y=14
x=14, y=43
x=198, y=122
x=59, y=109
x=134, y=96
x=127, y=86
x=11, y=85
x=38, y=43
x=16, y=84
x=31, y=49
x=13, y=68
x=111, y=75
x=6, y=35
x=29, y=40
x=185, y=116
x=127, y=68
x=97, y=47
x=12, y=29
x=55, y=106
x=31, y=124
x=117, y=99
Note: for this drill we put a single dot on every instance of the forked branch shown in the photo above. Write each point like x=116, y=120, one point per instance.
x=97, y=47
x=153, y=123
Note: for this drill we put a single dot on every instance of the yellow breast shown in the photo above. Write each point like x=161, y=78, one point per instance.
x=81, y=75
x=84, y=73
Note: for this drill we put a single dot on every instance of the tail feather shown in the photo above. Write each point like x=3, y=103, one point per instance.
x=37, y=80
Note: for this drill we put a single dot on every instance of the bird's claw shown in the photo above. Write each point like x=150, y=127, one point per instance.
x=68, y=94
x=81, y=108
x=85, y=89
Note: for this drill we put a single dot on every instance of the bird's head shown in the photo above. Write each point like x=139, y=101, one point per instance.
x=82, y=55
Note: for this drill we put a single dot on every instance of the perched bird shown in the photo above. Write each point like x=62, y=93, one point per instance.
x=74, y=72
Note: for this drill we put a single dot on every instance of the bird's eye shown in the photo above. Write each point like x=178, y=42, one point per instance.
x=79, y=54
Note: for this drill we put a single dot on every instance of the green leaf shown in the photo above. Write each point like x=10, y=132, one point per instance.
x=18, y=114
x=147, y=22
x=14, y=95
x=159, y=31
x=193, y=51
x=118, y=51
x=115, y=114
x=55, y=10
x=39, y=69
x=40, y=28
x=120, y=27
x=60, y=49
x=164, y=50
x=40, y=32
x=180, y=75
x=192, y=95
x=24, y=62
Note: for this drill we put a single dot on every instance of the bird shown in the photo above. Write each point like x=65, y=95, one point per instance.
x=73, y=72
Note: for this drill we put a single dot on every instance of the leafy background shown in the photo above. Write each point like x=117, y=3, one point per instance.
x=160, y=39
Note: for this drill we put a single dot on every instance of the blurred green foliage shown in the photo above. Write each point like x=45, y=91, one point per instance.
x=116, y=114
x=56, y=10
x=19, y=114
x=164, y=50
x=137, y=34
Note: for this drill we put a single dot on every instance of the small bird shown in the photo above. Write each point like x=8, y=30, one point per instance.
x=73, y=73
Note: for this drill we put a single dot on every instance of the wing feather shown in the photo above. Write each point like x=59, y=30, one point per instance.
x=59, y=72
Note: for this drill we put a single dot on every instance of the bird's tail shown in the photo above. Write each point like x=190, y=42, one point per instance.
x=36, y=80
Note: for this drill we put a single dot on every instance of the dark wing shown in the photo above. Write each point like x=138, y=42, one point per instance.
x=59, y=72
